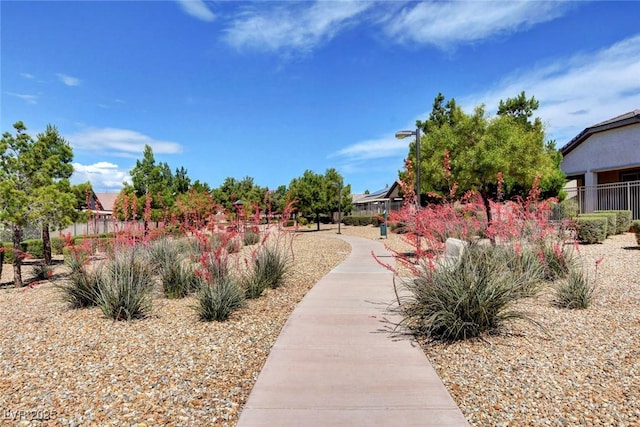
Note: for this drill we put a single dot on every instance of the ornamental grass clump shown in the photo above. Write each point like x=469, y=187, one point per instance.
x=526, y=264
x=218, y=299
x=473, y=297
x=79, y=290
x=170, y=259
x=124, y=284
x=271, y=264
x=576, y=291
x=250, y=238
x=42, y=271
x=557, y=260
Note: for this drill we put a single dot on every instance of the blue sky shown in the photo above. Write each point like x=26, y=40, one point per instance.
x=268, y=89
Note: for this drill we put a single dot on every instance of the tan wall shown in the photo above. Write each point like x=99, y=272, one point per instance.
x=612, y=149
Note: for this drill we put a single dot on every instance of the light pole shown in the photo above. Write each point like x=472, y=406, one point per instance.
x=401, y=134
x=339, y=185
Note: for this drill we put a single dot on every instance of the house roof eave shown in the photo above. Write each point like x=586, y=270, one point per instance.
x=630, y=118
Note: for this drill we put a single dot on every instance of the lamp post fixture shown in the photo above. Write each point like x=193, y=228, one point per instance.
x=339, y=185
x=404, y=134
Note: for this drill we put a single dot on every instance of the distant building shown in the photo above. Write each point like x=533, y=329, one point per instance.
x=375, y=203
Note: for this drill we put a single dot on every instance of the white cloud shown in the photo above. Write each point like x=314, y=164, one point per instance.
x=29, y=99
x=300, y=27
x=374, y=149
x=28, y=76
x=120, y=142
x=69, y=80
x=575, y=92
x=104, y=176
x=444, y=24
x=197, y=9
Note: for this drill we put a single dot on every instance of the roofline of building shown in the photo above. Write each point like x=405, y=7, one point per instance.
x=630, y=118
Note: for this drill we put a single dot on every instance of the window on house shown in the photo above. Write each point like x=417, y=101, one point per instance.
x=629, y=176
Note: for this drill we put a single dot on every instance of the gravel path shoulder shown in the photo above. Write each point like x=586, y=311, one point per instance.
x=78, y=368
x=584, y=370
x=75, y=367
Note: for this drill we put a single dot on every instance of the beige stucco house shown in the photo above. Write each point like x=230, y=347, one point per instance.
x=603, y=162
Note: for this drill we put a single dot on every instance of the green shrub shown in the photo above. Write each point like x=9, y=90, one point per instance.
x=358, y=220
x=124, y=285
x=576, y=292
x=377, y=220
x=592, y=229
x=623, y=219
x=627, y=217
x=7, y=249
x=301, y=221
x=568, y=208
x=57, y=245
x=611, y=220
x=217, y=300
x=470, y=298
x=34, y=247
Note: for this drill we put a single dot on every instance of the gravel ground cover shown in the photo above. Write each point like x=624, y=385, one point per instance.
x=171, y=369
x=584, y=370
x=75, y=367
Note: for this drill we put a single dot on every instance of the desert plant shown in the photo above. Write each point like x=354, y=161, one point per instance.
x=557, y=260
x=253, y=285
x=79, y=290
x=473, y=297
x=576, y=292
x=33, y=247
x=271, y=264
x=526, y=264
x=217, y=300
x=170, y=259
x=42, y=271
x=250, y=238
x=568, y=208
x=124, y=284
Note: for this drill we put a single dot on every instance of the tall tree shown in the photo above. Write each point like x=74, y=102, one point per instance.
x=317, y=194
x=33, y=184
x=53, y=202
x=476, y=148
x=15, y=164
x=152, y=178
x=244, y=190
x=181, y=181
x=521, y=109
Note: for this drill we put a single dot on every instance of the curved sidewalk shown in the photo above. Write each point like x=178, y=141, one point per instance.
x=336, y=362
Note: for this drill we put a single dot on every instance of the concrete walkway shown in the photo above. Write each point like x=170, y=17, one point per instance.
x=336, y=363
